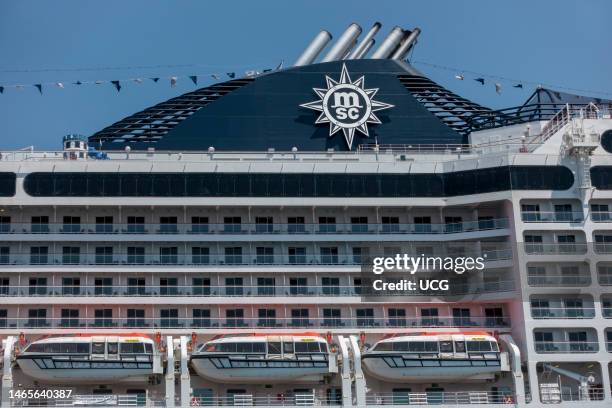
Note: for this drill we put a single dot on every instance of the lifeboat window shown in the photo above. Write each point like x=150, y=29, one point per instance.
x=227, y=347
x=288, y=347
x=35, y=348
x=460, y=346
x=129, y=348
x=148, y=348
x=244, y=347
x=323, y=347
x=478, y=346
x=494, y=346
x=385, y=346
x=97, y=348
x=274, y=347
x=113, y=348
x=446, y=347
x=259, y=347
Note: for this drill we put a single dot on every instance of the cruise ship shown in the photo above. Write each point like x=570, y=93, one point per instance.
x=214, y=249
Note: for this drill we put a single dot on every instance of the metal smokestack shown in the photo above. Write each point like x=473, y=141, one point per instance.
x=346, y=40
x=365, y=49
x=389, y=43
x=363, y=45
x=312, y=51
x=406, y=45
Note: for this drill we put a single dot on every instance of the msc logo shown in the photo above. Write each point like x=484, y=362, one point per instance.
x=346, y=106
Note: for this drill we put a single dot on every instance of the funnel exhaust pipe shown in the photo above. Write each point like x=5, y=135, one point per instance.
x=344, y=43
x=389, y=44
x=404, y=48
x=365, y=49
x=365, y=44
x=312, y=51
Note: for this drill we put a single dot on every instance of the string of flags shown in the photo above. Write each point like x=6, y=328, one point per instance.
x=119, y=83
x=497, y=81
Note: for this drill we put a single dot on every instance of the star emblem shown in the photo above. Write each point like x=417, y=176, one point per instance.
x=346, y=105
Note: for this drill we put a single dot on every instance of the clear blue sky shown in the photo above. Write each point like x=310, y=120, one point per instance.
x=566, y=43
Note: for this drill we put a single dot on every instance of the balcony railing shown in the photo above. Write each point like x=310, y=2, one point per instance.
x=253, y=228
x=559, y=280
x=552, y=216
x=556, y=249
x=438, y=398
x=119, y=258
x=601, y=216
x=603, y=248
x=562, y=313
x=64, y=291
x=566, y=346
x=252, y=322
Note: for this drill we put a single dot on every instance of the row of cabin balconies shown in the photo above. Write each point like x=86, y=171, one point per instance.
x=233, y=225
x=563, y=212
x=562, y=341
x=566, y=243
x=567, y=274
x=287, y=253
x=260, y=316
x=488, y=286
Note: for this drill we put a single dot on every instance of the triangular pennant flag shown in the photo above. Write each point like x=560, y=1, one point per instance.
x=518, y=86
x=267, y=70
x=173, y=81
x=481, y=80
x=215, y=77
x=194, y=79
x=117, y=85
x=250, y=73
x=98, y=82
x=280, y=65
x=498, y=88
x=460, y=77
x=59, y=85
x=154, y=79
x=231, y=74
x=77, y=83
x=1, y=89
x=39, y=87
x=137, y=80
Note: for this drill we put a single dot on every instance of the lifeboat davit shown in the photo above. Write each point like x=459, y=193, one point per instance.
x=91, y=359
x=435, y=357
x=263, y=359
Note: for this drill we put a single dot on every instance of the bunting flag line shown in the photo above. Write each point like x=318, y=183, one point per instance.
x=117, y=85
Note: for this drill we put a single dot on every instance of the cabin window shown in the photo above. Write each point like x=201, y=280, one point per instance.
x=446, y=347
x=97, y=348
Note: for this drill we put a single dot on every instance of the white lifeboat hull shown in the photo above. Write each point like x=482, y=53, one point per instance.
x=426, y=371
x=222, y=370
x=98, y=373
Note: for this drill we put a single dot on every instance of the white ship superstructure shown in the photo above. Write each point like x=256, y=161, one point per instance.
x=215, y=245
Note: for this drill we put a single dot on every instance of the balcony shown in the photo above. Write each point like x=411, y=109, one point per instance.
x=562, y=313
x=545, y=347
x=559, y=280
x=552, y=216
x=556, y=248
x=63, y=291
x=482, y=398
x=247, y=322
x=124, y=259
x=601, y=216
x=254, y=228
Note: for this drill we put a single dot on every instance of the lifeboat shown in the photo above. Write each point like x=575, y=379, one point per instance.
x=435, y=357
x=91, y=359
x=263, y=359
